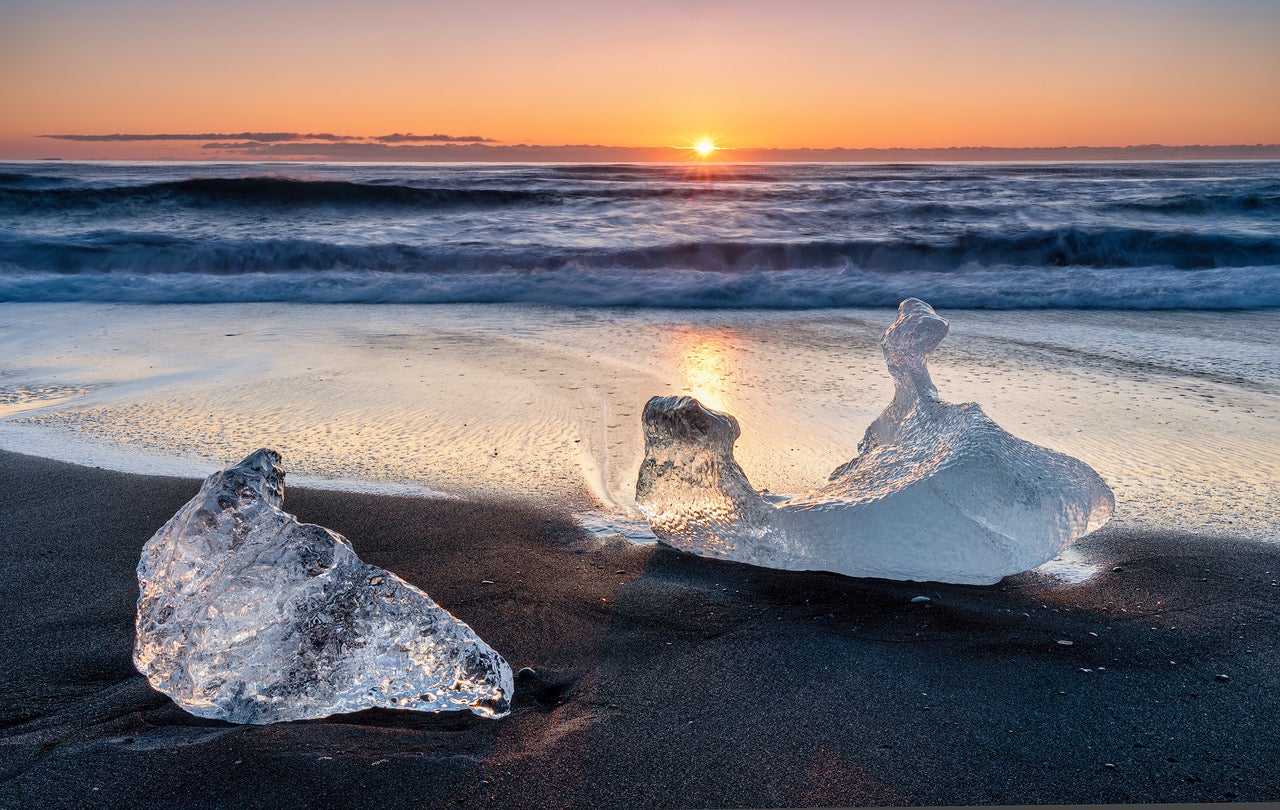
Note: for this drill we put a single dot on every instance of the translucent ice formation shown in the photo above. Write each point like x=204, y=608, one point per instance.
x=247, y=615
x=938, y=491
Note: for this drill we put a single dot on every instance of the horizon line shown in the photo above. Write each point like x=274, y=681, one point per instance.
x=366, y=151
x=399, y=140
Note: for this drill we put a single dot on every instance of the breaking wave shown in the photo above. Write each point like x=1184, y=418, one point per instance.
x=1142, y=288
x=259, y=191
x=1256, y=203
x=159, y=270
x=114, y=251
x=1141, y=235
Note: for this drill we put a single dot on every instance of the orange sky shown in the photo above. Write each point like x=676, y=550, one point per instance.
x=750, y=74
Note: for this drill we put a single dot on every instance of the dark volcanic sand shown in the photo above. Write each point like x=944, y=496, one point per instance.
x=678, y=682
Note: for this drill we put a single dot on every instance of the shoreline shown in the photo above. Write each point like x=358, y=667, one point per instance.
x=1177, y=411
x=680, y=682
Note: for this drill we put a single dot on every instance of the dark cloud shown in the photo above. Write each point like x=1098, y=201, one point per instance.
x=272, y=137
x=236, y=145
x=446, y=151
x=409, y=137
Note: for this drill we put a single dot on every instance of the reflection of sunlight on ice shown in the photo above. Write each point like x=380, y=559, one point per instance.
x=616, y=524
x=1070, y=568
x=705, y=366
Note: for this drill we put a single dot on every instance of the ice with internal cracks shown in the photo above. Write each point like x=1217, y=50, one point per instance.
x=937, y=492
x=247, y=615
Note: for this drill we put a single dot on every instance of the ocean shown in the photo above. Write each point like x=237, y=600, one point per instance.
x=1153, y=235
x=495, y=331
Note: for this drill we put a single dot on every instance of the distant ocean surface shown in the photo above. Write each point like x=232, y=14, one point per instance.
x=1075, y=235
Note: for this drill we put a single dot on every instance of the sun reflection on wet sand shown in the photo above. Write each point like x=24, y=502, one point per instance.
x=707, y=358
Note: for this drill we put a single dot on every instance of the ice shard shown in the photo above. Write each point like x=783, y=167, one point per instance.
x=938, y=491
x=247, y=615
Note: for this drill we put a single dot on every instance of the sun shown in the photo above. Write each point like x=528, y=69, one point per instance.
x=704, y=147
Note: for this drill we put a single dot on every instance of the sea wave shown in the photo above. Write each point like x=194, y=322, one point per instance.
x=859, y=193
x=990, y=288
x=1035, y=270
x=110, y=251
x=34, y=194
x=1265, y=202
x=10, y=181
x=751, y=235
x=260, y=191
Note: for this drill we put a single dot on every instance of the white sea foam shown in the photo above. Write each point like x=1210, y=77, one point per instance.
x=844, y=285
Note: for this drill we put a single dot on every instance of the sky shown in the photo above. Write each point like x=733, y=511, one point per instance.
x=500, y=77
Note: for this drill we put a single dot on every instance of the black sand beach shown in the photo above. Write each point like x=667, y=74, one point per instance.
x=663, y=680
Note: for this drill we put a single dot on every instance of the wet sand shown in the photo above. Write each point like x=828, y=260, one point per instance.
x=663, y=680
x=1178, y=411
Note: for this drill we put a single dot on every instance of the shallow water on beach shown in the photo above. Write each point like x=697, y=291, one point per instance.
x=1179, y=411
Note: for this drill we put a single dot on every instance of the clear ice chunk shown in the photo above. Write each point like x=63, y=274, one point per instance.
x=938, y=491
x=247, y=615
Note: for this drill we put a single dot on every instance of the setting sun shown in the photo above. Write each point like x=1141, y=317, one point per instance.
x=704, y=147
